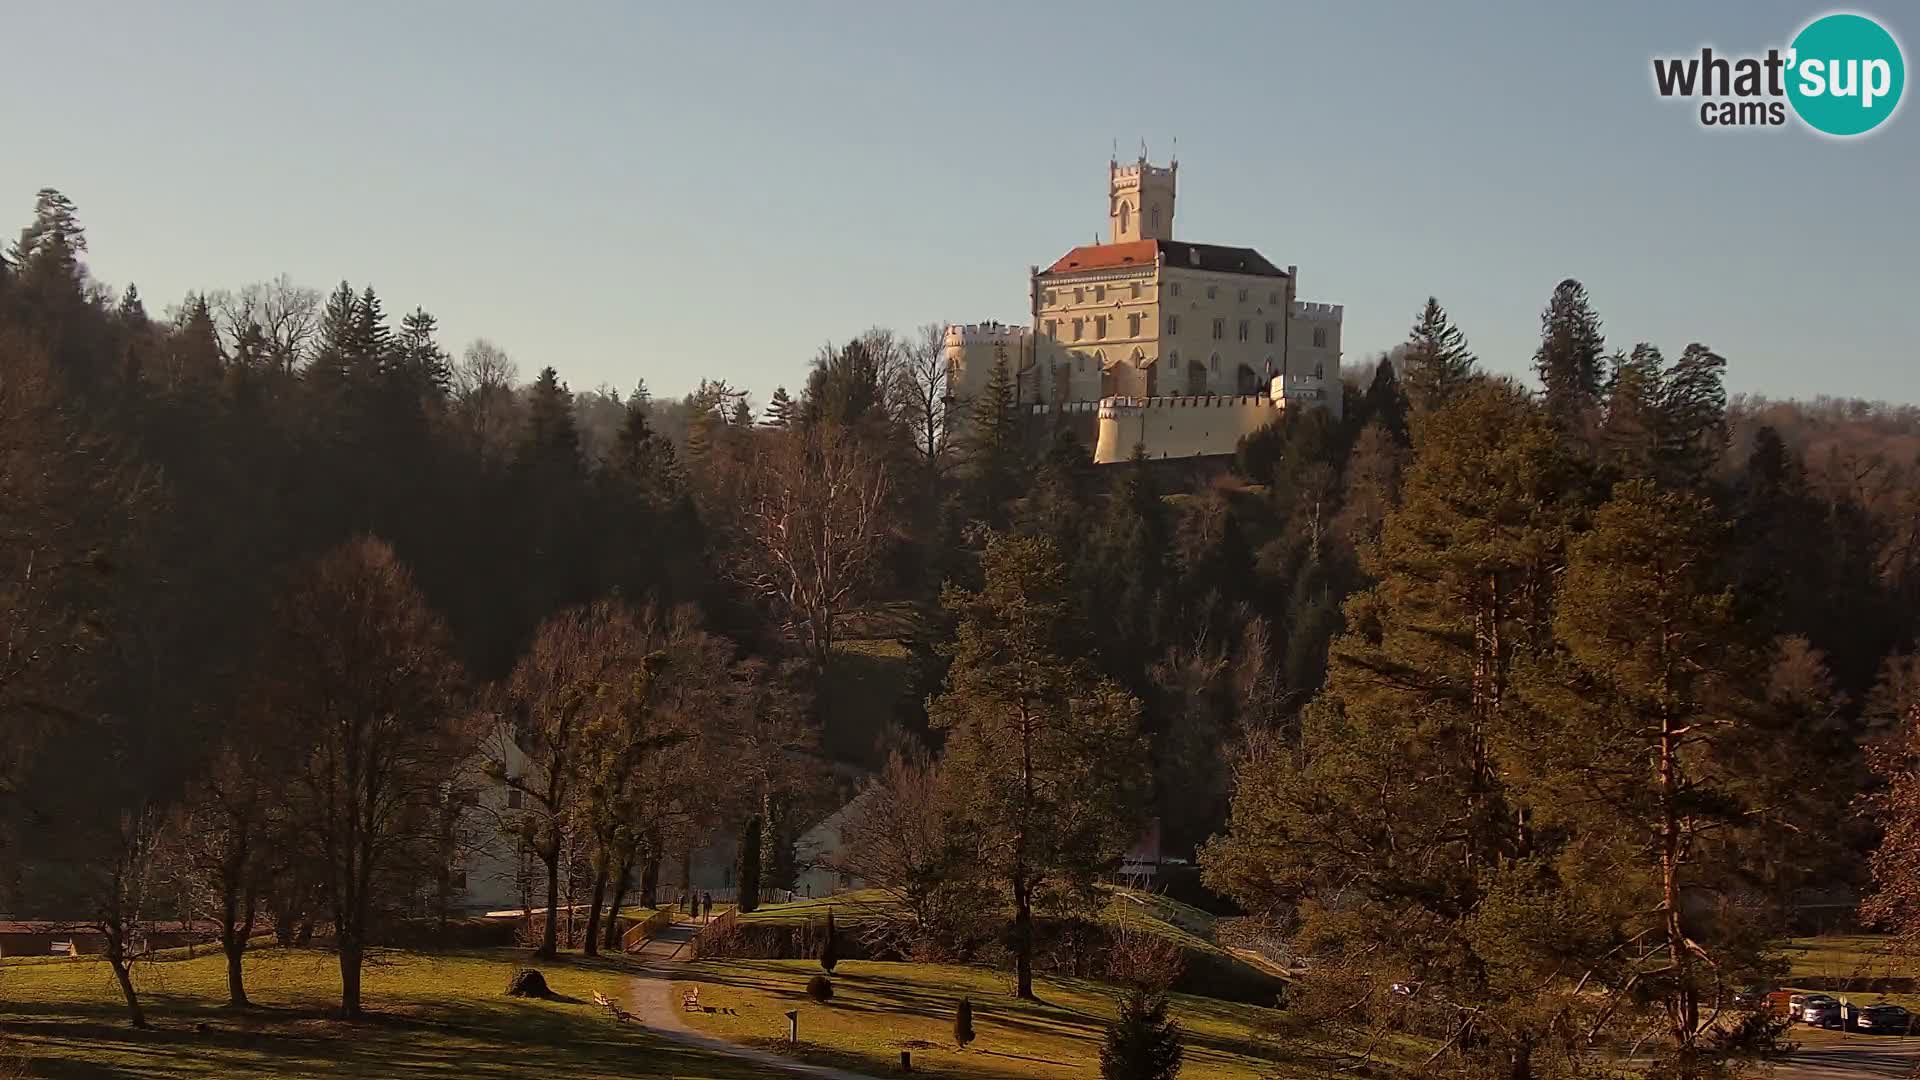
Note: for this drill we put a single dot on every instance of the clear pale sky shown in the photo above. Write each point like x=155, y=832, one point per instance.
x=627, y=190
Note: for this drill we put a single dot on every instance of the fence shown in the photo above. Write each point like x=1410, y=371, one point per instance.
x=721, y=929
x=644, y=931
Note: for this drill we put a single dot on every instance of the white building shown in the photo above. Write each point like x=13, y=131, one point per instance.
x=1144, y=322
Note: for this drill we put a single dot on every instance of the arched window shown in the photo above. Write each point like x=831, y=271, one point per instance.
x=1155, y=218
x=1126, y=216
x=1196, y=379
x=1319, y=370
x=1213, y=363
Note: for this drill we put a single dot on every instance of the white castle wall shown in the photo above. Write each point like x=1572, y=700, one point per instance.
x=1179, y=427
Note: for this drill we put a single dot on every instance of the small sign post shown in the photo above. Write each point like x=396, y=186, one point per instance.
x=793, y=1026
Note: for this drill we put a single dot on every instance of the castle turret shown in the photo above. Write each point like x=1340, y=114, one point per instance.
x=1140, y=200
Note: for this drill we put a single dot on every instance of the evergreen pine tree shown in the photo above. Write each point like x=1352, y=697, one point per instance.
x=748, y=878
x=1385, y=403
x=49, y=248
x=1641, y=738
x=133, y=313
x=1142, y=1043
x=427, y=367
x=963, y=1023
x=1436, y=362
x=1569, y=359
x=1045, y=755
x=994, y=458
x=197, y=356
x=780, y=410
x=552, y=440
x=1125, y=574
x=742, y=413
x=329, y=370
x=370, y=350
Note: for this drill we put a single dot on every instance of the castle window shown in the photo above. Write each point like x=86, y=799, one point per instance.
x=1212, y=291
x=1219, y=327
x=1136, y=290
x=1126, y=216
x=1319, y=337
x=1079, y=295
x=1269, y=333
x=1173, y=325
x=1243, y=329
x=1054, y=324
x=1243, y=296
x=1155, y=218
x=1319, y=369
x=1100, y=327
x=1175, y=286
x=1273, y=297
x=1213, y=363
x=1078, y=325
x=1133, y=325
x=1050, y=298
x=1099, y=293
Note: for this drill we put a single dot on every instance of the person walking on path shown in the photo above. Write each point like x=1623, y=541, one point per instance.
x=706, y=901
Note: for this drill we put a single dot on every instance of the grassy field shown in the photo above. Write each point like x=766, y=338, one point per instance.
x=880, y=1009
x=430, y=1016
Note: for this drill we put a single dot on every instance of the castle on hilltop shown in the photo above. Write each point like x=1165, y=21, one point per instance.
x=1176, y=347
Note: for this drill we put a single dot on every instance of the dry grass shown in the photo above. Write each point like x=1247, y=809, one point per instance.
x=880, y=1009
x=441, y=1015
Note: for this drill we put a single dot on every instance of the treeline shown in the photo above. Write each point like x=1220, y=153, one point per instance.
x=1505, y=696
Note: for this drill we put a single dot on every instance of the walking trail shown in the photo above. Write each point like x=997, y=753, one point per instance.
x=650, y=997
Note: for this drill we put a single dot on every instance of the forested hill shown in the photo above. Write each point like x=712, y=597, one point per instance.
x=1428, y=618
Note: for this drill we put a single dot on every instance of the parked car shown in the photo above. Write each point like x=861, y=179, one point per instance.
x=1820, y=1011
x=1884, y=1019
x=1796, y=1003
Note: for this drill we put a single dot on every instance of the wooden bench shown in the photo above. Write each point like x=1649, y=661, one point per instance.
x=690, y=1001
x=613, y=1008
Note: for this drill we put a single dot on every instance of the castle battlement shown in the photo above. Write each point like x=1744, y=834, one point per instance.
x=1308, y=310
x=1123, y=406
x=987, y=331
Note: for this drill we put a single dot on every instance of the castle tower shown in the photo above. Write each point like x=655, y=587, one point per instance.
x=1140, y=200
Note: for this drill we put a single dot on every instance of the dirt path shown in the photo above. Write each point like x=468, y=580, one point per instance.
x=650, y=997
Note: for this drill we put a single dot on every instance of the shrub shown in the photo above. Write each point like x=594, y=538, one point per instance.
x=963, y=1023
x=1142, y=1044
x=820, y=989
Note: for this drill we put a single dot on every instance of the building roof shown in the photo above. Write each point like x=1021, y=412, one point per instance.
x=1216, y=257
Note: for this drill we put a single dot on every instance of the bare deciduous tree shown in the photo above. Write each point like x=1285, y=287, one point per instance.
x=571, y=676
x=923, y=379
x=285, y=316
x=359, y=669
x=811, y=515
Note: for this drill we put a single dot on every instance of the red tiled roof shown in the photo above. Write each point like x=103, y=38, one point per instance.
x=1104, y=256
x=1231, y=260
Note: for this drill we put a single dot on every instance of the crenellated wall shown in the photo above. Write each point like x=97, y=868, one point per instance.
x=1179, y=427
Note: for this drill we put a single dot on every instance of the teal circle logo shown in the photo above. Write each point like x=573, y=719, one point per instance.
x=1845, y=74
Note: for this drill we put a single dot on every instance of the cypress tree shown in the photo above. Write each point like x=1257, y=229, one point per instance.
x=830, y=949
x=749, y=876
x=1142, y=1043
x=963, y=1023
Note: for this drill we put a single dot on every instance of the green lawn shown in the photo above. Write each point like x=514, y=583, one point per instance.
x=879, y=1009
x=440, y=1016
